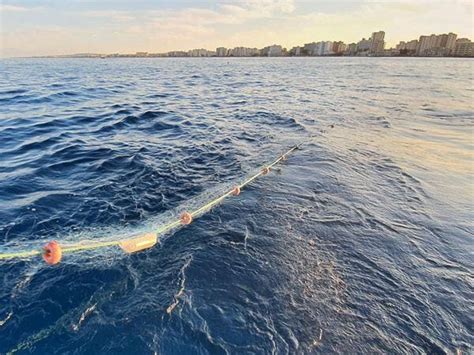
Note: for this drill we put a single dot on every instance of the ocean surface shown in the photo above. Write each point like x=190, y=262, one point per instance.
x=362, y=242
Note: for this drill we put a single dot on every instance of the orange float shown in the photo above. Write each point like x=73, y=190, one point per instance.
x=265, y=170
x=236, y=191
x=186, y=218
x=52, y=253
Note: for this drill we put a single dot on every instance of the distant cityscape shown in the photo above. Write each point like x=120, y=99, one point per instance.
x=442, y=45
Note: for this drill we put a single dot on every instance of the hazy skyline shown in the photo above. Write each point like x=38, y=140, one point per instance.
x=41, y=27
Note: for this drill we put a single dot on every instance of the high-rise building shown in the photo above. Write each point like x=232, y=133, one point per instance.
x=320, y=48
x=338, y=47
x=243, y=52
x=295, y=51
x=364, y=45
x=377, y=43
x=411, y=46
x=351, y=49
x=451, y=42
x=201, y=52
x=274, y=50
x=326, y=48
x=425, y=43
x=401, y=46
x=177, y=54
x=309, y=48
x=221, y=51
x=406, y=48
x=464, y=48
x=436, y=45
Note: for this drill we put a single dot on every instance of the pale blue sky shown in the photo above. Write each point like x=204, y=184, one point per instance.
x=39, y=27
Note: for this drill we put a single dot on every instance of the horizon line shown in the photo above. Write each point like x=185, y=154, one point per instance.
x=163, y=54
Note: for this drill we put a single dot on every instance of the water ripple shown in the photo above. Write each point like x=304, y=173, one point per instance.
x=361, y=242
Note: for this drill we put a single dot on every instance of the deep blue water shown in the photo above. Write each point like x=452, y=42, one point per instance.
x=362, y=242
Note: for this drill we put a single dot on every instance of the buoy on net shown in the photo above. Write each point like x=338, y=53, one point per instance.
x=265, y=170
x=186, y=218
x=284, y=157
x=52, y=253
x=236, y=191
x=139, y=242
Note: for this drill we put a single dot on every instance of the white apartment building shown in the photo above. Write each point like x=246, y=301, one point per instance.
x=274, y=50
x=244, y=52
x=221, y=51
x=443, y=44
x=377, y=43
x=464, y=48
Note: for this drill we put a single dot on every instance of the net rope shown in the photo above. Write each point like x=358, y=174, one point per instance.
x=78, y=247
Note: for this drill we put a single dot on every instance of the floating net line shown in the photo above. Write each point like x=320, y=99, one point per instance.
x=53, y=251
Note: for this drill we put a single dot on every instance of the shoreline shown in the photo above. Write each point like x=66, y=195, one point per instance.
x=216, y=57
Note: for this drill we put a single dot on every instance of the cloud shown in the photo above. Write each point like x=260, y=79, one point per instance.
x=13, y=8
x=121, y=16
x=200, y=25
x=236, y=13
x=270, y=7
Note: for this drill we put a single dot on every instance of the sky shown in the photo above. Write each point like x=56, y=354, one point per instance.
x=51, y=27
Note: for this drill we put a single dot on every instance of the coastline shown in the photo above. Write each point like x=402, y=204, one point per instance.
x=216, y=57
